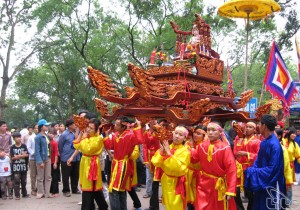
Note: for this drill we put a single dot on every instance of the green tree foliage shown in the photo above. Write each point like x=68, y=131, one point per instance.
x=290, y=12
x=79, y=33
x=58, y=88
x=17, y=113
x=14, y=15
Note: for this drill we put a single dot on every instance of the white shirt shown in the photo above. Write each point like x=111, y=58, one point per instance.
x=5, y=169
x=30, y=146
x=24, y=132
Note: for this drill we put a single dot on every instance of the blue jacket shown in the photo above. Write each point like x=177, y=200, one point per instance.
x=41, y=148
x=266, y=176
x=65, y=146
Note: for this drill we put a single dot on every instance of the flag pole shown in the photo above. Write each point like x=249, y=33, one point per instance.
x=261, y=93
x=298, y=54
x=246, y=62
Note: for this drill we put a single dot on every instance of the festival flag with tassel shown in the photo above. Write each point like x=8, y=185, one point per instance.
x=278, y=79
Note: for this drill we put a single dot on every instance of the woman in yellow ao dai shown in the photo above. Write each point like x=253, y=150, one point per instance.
x=173, y=160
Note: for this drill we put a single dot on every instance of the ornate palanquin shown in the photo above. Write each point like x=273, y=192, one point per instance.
x=185, y=91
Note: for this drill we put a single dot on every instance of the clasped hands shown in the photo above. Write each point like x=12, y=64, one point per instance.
x=165, y=148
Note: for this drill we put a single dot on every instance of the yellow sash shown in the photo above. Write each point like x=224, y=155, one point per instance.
x=221, y=186
x=240, y=174
x=115, y=171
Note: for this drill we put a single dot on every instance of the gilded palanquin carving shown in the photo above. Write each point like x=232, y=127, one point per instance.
x=187, y=90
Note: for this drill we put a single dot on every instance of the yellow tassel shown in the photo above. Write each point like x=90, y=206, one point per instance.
x=210, y=152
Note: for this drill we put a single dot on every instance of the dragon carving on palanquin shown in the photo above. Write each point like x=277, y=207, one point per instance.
x=102, y=83
x=264, y=109
x=239, y=128
x=245, y=98
x=164, y=132
x=80, y=122
x=101, y=107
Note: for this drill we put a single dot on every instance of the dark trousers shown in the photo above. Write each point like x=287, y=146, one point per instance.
x=135, y=198
x=250, y=196
x=20, y=178
x=118, y=200
x=54, y=181
x=190, y=206
x=88, y=200
x=141, y=172
x=70, y=172
x=154, y=200
x=6, y=186
x=58, y=168
x=238, y=199
x=107, y=168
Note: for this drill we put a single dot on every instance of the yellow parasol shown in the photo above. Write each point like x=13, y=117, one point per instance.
x=252, y=10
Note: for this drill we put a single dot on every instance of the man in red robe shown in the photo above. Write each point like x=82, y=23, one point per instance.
x=122, y=142
x=217, y=178
x=245, y=151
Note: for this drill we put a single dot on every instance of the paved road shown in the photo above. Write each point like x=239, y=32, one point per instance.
x=63, y=203
x=58, y=203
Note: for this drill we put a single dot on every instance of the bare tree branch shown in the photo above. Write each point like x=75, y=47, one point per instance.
x=2, y=61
